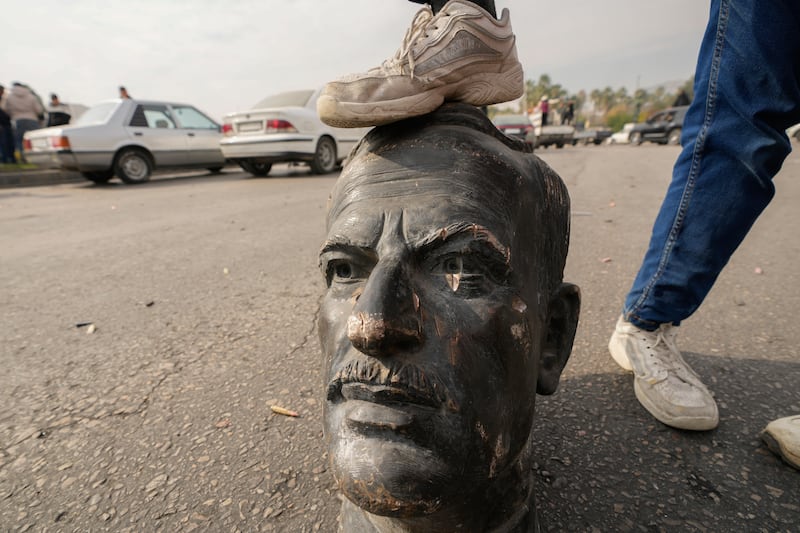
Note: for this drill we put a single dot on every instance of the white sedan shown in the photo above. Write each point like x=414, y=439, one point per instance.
x=130, y=139
x=285, y=128
x=623, y=136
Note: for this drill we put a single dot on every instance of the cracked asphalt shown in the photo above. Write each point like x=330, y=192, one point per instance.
x=148, y=330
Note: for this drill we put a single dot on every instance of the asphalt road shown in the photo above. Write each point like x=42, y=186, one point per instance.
x=147, y=330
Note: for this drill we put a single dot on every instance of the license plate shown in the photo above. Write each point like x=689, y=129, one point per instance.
x=250, y=126
x=513, y=130
x=41, y=144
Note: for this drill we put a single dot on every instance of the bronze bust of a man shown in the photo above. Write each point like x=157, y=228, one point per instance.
x=445, y=314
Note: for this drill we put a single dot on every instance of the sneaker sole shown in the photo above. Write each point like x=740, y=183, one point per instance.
x=693, y=423
x=775, y=446
x=478, y=90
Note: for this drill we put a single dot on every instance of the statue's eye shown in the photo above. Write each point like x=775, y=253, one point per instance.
x=453, y=265
x=464, y=274
x=342, y=270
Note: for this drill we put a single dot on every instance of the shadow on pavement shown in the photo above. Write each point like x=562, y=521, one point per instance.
x=604, y=464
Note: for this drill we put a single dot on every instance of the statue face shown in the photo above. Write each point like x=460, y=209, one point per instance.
x=431, y=333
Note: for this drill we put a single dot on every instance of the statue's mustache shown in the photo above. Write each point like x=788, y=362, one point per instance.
x=408, y=378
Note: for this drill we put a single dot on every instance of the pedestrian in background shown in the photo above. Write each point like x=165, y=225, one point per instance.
x=6, y=132
x=58, y=113
x=26, y=112
x=544, y=107
x=123, y=92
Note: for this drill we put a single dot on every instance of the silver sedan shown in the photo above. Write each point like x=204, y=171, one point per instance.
x=129, y=139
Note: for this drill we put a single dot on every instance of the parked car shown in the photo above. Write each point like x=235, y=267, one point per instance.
x=663, y=127
x=794, y=132
x=285, y=128
x=623, y=136
x=130, y=139
x=516, y=126
x=596, y=135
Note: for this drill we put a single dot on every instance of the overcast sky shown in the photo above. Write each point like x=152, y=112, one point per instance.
x=225, y=55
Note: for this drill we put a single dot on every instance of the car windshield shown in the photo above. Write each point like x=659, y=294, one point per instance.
x=98, y=114
x=290, y=99
x=505, y=120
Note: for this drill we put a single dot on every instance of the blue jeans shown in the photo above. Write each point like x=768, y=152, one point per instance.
x=746, y=93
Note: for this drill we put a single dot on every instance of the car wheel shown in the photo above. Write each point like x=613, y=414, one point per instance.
x=255, y=168
x=674, y=137
x=98, y=177
x=214, y=170
x=324, y=161
x=559, y=145
x=636, y=138
x=133, y=166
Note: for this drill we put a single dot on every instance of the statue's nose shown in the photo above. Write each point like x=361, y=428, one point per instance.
x=385, y=321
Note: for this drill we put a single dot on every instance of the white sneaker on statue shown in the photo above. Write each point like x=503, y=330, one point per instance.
x=664, y=383
x=461, y=54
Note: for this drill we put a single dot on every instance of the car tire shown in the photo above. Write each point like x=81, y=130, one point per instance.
x=99, y=176
x=214, y=170
x=325, y=159
x=636, y=138
x=133, y=166
x=559, y=145
x=674, y=137
x=256, y=168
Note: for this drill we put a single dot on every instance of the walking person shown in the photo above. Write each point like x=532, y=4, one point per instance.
x=746, y=93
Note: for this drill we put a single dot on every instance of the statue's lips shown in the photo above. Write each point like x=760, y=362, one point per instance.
x=366, y=414
x=382, y=406
x=386, y=394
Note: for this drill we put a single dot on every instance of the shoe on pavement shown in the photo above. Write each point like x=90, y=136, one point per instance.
x=664, y=383
x=782, y=436
x=460, y=54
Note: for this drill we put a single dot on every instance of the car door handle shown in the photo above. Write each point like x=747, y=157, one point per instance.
x=137, y=133
x=190, y=134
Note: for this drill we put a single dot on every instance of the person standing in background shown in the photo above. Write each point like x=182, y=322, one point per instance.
x=25, y=111
x=544, y=107
x=58, y=113
x=123, y=92
x=6, y=133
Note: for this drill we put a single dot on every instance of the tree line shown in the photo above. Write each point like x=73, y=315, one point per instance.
x=603, y=107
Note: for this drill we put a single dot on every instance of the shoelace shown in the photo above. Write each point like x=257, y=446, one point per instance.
x=667, y=337
x=419, y=28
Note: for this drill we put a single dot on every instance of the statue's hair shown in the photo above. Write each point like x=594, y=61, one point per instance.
x=508, y=160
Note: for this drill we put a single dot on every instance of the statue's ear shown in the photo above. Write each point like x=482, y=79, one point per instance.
x=562, y=321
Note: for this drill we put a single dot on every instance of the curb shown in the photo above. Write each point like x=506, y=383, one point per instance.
x=38, y=178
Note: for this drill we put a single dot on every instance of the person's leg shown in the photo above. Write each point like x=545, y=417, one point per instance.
x=462, y=53
x=23, y=125
x=747, y=92
x=5, y=155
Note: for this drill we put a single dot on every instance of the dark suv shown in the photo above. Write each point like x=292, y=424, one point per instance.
x=663, y=127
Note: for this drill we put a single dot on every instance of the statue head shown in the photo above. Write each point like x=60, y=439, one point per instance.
x=445, y=313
